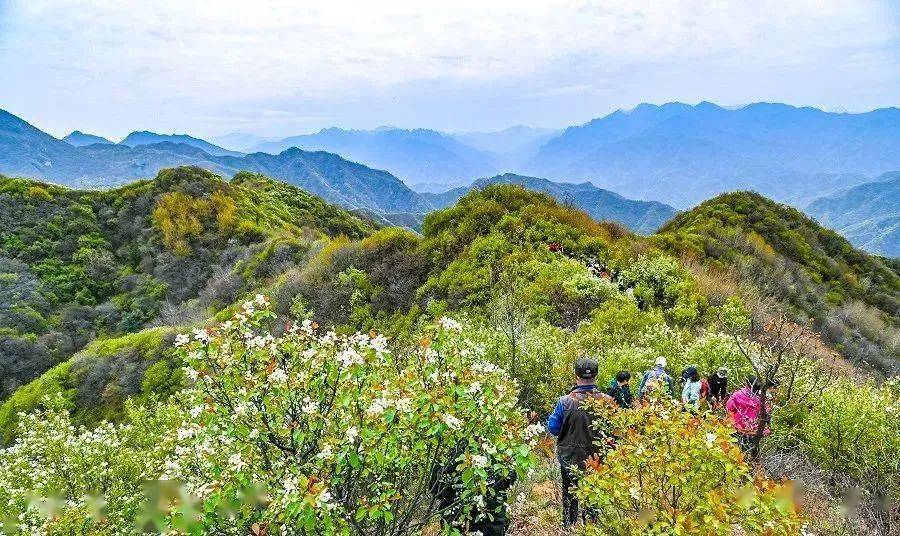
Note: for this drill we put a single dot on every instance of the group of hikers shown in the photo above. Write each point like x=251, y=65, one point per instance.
x=576, y=438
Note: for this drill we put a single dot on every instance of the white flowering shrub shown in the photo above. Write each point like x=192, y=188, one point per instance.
x=661, y=281
x=333, y=434
x=61, y=479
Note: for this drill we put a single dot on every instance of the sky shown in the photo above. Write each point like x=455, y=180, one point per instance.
x=278, y=68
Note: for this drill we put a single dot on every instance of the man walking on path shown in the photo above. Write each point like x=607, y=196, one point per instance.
x=657, y=375
x=575, y=437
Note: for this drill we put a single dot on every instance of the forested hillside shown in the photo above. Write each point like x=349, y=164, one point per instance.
x=81, y=265
x=851, y=297
x=351, y=378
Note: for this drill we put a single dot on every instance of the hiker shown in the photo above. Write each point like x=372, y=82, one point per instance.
x=718, y=386
x=619, y=389
x=744, y=408
x=690, y=392
x=655, y=377
x=489, y=517
x=575, y=437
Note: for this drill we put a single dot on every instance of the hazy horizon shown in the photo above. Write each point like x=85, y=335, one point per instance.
x=212, y=137
x=277, y=69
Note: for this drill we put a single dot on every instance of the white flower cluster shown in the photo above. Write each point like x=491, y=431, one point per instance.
x=349, y=357
x=452, y=422
x=533, y=431
x=182, y=339
x=450, y=324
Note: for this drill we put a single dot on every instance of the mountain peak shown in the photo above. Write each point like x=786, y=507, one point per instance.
x=145, y=137
x=80, y=139
x=710, y=106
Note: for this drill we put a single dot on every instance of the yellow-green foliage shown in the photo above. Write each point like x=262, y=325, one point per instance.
x=145, y=342
x=180, y=217
x=39, y=193
x=852, y=429
x=673, y=472
x=29, y=397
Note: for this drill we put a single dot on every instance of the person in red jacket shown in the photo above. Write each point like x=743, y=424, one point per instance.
x=745, y=408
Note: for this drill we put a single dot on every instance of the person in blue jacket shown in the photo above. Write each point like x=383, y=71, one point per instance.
x=575, y=438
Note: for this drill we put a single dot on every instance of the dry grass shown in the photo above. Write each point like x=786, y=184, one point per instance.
x=536, y=503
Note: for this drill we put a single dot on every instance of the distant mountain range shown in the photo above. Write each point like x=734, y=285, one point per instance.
x=643, y=217
x=424, y=159
x=239, y=141
x=28, y=152
x=868, y=215
x=675, y=153
x=682, y=154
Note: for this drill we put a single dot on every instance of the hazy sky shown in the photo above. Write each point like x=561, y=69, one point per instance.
x=288, y=67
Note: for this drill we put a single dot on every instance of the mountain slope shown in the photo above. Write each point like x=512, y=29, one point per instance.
x=416, y=156
x=136, y=139
x=335, y=179
x=687, y=153
x=642, y=217
x=79, y=139
x=868, y=214
x=78, y=264
x=27, y=151
x=851, y=297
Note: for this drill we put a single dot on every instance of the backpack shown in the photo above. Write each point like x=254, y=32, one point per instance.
x=575, y=442
x=652, y=376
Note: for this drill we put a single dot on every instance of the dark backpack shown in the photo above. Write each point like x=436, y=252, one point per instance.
x=575, y=442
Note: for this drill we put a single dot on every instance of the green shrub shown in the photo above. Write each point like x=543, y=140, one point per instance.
x=672, y=472
x=852, y=429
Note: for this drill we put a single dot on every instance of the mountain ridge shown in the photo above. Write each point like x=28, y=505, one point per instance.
x=777, y=149
x=78, y=263
x=643, y=217
x=867, y=214
x=144, y=137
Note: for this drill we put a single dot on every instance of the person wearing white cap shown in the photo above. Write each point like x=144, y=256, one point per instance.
x=656, y=376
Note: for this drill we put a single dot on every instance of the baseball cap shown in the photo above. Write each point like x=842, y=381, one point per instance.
x=586, y=368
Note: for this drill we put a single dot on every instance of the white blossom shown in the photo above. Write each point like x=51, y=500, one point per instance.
x=451, y=421
x=450, y=324
x=349, y=357
x=201, y=335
